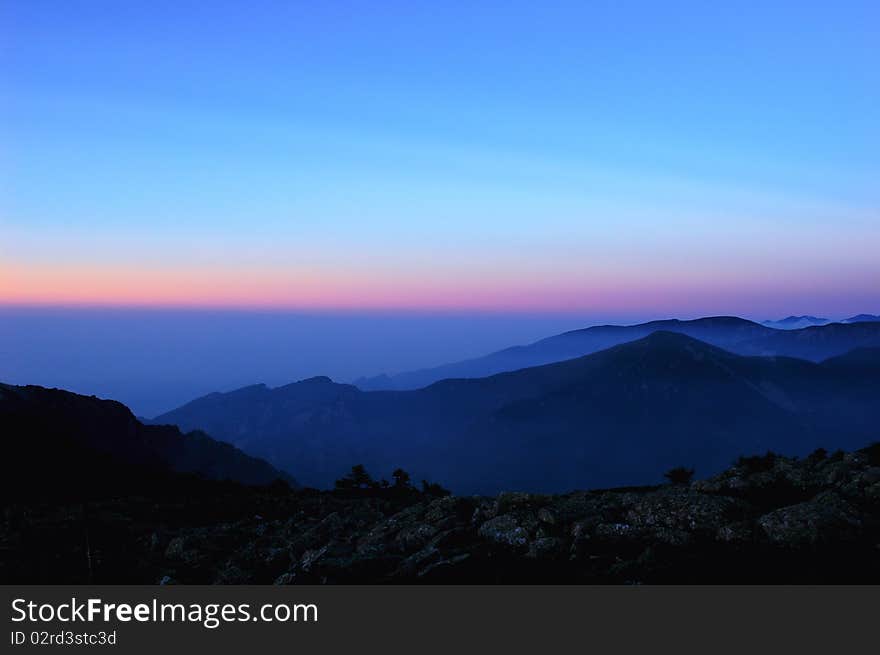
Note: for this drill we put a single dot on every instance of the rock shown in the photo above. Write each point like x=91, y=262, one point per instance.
x=871, y=475
x=435, y=567
x=826, y=517
x=415, y=536
x=511, y=501
x=505, y=530
x=546, y=516
x=310, y=557
x=752, y=517
x=285, y=579
x=671, y=536
x=484, y=510
x=276, y=559
x=682, y=510
x=448, y=507
x=615, y=531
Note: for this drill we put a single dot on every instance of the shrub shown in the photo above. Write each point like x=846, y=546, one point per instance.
x=401, y=479
x=679, y=475
x=358, y=478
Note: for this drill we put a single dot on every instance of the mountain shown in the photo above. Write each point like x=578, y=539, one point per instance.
x=731, y=333
x=862, y=360
x=796, y=322
x=55, y=439
x=862, y=318
x=246, y=415
x=814, y=343
x=721, y=331
x=623, y=415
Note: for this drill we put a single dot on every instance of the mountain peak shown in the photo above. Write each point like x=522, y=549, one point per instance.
x=316, y=379
x=796, y=322
x=862, y=318
x=666, y=342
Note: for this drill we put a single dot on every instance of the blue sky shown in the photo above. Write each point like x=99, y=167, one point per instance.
x=606, y=157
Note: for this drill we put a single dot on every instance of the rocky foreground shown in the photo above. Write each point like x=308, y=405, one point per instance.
x=766, y=519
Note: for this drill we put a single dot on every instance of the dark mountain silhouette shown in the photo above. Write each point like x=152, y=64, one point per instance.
x=721, y=331
x=857, y=360
x=796, y=322
x=620, y=416
x=246, y=415
x=862, y=318
x=55, y=439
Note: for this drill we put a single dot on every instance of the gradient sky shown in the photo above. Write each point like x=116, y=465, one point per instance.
x=625, y=158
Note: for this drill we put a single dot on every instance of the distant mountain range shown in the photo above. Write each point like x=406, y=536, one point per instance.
x=623, y=415
x=862, y=318
x=796, y=322
x=731, y=333
x=56, y=440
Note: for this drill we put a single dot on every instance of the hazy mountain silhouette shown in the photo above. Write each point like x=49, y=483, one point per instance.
x=57, y=438
x=620, y=416
x=731, y=333
x=796, y=322
x=862, y=318
x=814, y=343
x=718, y=330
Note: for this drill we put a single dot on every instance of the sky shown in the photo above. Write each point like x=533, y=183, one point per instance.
x=605, y=157
x=195, y=196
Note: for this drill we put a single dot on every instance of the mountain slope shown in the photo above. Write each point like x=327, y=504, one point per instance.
x=862, y=318
x=53, y=438
x=620, y=416
x=731, y=333
x=718, y=330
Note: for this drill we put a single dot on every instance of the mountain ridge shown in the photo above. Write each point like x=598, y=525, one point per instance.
x=90, y=442
x=667, y=396
x=733, y=333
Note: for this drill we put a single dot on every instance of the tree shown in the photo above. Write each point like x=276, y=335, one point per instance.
x=358, y=478
x=401, y=479
x=679, y=475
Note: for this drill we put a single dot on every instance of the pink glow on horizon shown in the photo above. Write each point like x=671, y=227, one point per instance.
x=322, y=289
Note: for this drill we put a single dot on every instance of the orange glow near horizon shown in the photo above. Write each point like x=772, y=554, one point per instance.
x=314, y=288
